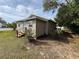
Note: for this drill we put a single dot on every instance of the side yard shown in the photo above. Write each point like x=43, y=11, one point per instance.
x=6, y=29
x=12, y=47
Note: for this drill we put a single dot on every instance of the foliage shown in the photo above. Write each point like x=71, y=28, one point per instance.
x=49, y=4
x=11, y=25
x=74, y=28
x=29, y=34
x=64, y=16
x=68, y=11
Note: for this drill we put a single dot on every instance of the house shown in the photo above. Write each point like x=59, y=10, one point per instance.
x=39, y=26
x=2, y=23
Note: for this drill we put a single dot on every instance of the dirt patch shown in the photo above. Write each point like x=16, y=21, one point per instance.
x=49, y=48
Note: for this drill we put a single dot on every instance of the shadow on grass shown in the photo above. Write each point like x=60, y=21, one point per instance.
x=61, y=38
x=43, y=40
x=37, y=42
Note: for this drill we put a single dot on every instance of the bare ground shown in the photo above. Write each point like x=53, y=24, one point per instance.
x=49, y=48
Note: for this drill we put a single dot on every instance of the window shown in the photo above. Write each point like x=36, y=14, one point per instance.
x=18, y=25
x=30, y=25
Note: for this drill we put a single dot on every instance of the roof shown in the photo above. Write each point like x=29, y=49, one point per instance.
x=52, y=21
x=33, y=17
x=2, y=21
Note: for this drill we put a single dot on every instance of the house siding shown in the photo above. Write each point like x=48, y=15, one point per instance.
x=51, y=27
x=40, y=28
x=0, y=25
x=24, y=26
x=33, y=28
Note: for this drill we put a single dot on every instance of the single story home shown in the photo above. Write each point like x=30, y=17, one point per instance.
x=2, y=23
x=38, y=25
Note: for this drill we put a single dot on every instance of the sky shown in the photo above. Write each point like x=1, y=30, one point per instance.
x=14, y=10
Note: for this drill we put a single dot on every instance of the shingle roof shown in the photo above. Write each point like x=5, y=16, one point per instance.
x=32, y=17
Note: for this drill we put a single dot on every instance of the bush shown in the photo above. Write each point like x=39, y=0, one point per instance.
x=11, y=25
x=74, y=28
x=29, y=35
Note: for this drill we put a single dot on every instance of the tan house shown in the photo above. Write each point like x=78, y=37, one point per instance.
x=39, y=26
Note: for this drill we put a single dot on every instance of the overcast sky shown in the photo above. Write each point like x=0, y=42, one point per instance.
x=14, y=10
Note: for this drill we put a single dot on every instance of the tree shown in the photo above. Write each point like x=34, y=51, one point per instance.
x=11, y=25
x=68, y=12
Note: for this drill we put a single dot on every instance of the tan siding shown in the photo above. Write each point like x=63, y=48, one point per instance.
x=40, y=28
x=24, y=25
x=51, y=27
x=34, y=28
x=33, y=23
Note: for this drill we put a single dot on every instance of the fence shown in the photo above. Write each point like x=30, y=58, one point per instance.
x=6, y=29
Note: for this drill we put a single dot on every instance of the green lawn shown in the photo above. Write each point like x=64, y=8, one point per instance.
x=11, y=47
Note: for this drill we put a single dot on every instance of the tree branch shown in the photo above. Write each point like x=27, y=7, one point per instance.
x=68, y=3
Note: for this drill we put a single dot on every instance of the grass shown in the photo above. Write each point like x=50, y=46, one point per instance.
x=11, y=47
